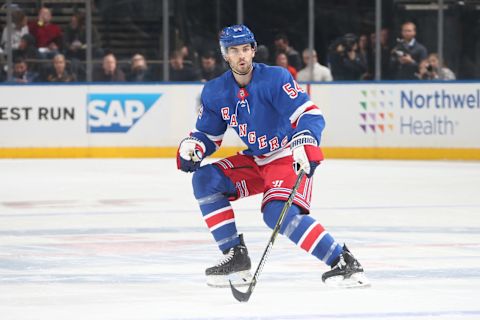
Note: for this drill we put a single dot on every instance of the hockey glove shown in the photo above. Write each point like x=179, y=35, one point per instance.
x=190, y=154
x=306, y=153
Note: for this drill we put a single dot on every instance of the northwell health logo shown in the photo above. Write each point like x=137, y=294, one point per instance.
x=376, y=114
x=422, y=111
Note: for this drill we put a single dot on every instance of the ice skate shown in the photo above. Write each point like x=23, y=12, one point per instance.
x=346, y=272
x=234, y=266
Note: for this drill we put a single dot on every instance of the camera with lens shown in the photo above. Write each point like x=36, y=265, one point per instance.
x=401, y=49
x=347, y=42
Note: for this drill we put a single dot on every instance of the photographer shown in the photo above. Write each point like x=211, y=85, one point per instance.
x=344, y=59
x=439, y=70
x=425, y=71
x=407, y=54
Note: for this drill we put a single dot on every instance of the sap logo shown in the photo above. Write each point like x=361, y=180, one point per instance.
x=117, y=112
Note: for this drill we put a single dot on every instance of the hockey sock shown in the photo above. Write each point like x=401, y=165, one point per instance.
x=220, y=220
x=304, y=231
x=210, y=188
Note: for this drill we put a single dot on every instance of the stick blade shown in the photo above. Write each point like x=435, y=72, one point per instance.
x=241, y=296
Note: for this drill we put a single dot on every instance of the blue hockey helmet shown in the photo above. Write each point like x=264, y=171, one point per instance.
x=234, y=36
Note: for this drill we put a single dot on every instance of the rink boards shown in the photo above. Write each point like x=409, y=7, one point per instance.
x=420, y=120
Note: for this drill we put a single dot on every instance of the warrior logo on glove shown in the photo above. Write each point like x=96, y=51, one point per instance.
x=306, y=153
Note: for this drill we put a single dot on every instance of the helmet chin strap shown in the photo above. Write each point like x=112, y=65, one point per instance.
x=241, y=73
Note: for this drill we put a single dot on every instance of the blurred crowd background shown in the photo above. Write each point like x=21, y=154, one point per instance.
x=177, y=40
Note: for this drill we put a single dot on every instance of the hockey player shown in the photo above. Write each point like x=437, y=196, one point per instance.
x=281, y=126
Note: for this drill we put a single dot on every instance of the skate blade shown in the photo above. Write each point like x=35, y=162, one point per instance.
x=239, y=279
x=356, y=280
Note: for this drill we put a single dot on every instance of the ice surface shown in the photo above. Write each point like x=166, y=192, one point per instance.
x=123, y=239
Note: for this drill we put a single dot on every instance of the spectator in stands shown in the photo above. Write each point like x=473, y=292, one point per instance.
x=439, y=70
x=209, y=68
x=21, y=73
x=139, y=71
x=28, y=51
x=282, y=61
x=262, y=55
x=320, y=73
x=181, y=71
x=19, y=28
x=282, y=45
x=384, y=52
x=75, y=38
x=364, y=56
x=345, y=62
x=48, y=35
x=3, y=67
x=2, y=73
x=109, y=71
x=407, y=54
x=188, y=53
x=59, y=72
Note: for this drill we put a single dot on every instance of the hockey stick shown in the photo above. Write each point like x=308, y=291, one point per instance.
x=244, y=296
